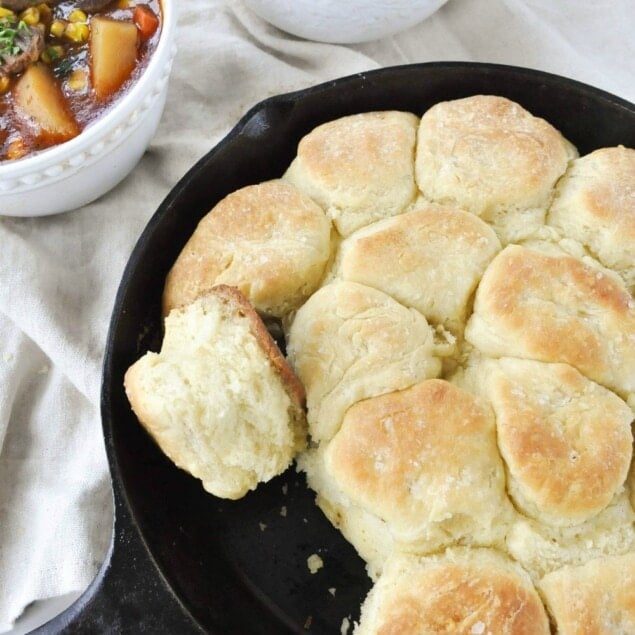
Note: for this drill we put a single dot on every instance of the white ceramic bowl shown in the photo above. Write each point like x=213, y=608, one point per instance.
x=78, y=171
x=344, y=22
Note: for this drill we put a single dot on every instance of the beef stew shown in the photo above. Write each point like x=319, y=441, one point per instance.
x=64, y=63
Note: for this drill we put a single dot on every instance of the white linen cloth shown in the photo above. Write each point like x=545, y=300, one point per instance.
x=59, y=275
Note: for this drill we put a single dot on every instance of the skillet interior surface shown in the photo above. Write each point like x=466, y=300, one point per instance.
x=241, y=566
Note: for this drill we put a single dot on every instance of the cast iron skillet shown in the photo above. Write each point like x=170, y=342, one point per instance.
x=181, y=560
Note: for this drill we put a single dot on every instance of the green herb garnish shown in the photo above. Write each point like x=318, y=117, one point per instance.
x=63, y=66
x=9, y=31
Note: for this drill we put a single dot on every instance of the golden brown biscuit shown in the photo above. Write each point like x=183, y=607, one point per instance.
x=358, y=168
x=556, y=309
x=219, y=399
x=597, y=598
x=349, y=342
x=488, y=155
x=566, y=441
x=430, y=259
x=268, y=240
x=595, y=205
x=462, y=592
x=423, y=460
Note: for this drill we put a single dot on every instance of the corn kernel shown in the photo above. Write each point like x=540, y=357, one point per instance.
x=52, y=53
x=76, y=32
x=57, y=28
x=30, y=16
x=78, y=80
x=6, y=13
x=17, y=149
x=77, y=16
x=5, y=82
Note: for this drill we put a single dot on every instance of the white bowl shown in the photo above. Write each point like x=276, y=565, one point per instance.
x=344, y=22
x=78, y=171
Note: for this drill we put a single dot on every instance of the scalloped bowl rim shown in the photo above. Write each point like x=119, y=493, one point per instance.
x=121, y=111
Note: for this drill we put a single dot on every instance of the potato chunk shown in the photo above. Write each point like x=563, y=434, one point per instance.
x=113, y=54
x=39, y=99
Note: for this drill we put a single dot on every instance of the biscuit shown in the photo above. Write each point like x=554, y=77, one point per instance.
x=219, y=399
x=359, y=168
x=566, y=441
x=269, y=240
x=349, y=342
x=541, y=548
x=552, y=308
x=595, y=205
x=424, y=461
x=597, y=597
x=491, y=157
x=430, y=259
x=462, y=592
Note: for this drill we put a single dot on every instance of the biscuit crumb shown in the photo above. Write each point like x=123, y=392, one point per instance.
x=307, y=623
x=332, y=591
x=263, y=526
x=346, y=624
x=285, y=489
x=315, y=563
x=283, y=511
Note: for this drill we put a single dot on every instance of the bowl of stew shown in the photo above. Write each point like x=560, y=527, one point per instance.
x=82, y=90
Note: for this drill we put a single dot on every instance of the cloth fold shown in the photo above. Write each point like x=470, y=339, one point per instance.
x=59, y=275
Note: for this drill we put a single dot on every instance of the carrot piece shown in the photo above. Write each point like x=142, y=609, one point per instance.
x=146, y=21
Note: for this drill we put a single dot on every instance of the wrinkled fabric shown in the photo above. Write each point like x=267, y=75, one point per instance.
x=59, y=275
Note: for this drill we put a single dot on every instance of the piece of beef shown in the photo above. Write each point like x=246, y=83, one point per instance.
x=20, y=5
x=30, y=40
x=93, y=5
